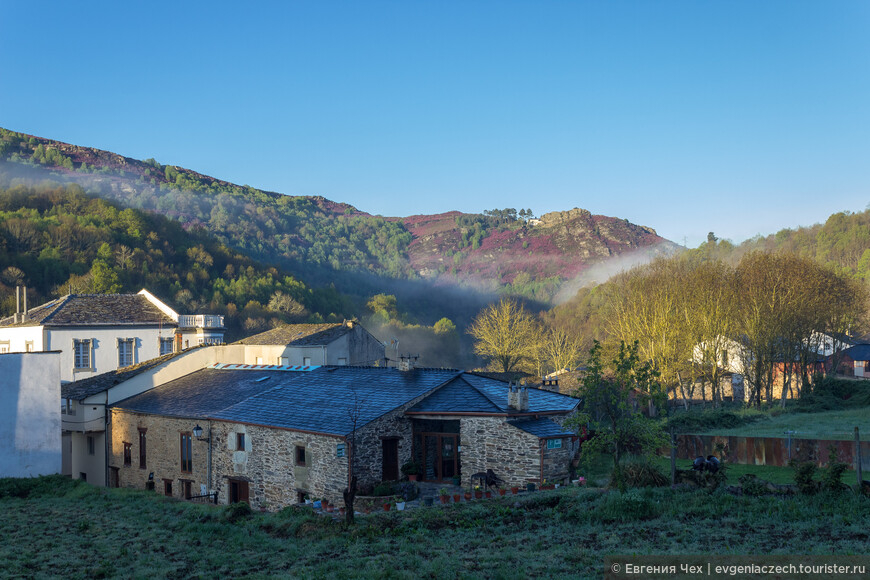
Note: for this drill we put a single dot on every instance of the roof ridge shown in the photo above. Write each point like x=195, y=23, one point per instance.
x=62, y=302
x=487, y=397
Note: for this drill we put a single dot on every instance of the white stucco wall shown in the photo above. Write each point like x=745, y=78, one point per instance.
x=18, y=338
x=30, y=414
x=105, y=346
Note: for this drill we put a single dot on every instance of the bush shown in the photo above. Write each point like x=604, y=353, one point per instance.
x=831, y=394
x=696, y=422
x=45, y=486
x=237, y=511
x=383, y=488
x=752, y=486
x=804, y=471
x=832, y=475
x=639, y=474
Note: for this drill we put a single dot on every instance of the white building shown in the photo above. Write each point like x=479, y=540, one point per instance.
x=345, y=343
x=30, y=418
x=96, y=333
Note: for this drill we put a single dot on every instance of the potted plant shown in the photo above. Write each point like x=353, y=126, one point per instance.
x=387, y=506
x=445, y=497
x=400, y=503
x=324, y=503
x=467, y=496
x=456, y=497
x=515, y=489
x=411, y=469
x=488, y=494
x=502, y=490
x=478, y=493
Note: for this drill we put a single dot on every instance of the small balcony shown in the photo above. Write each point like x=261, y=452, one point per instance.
x=200, y=321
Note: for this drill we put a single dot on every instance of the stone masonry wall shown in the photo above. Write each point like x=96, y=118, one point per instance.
x=490, y=443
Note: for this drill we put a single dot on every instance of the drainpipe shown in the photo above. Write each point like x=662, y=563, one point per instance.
x=541, y=442
x=106, y=440
x=208, y=474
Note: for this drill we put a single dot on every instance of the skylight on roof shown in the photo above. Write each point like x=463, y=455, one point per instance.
x=261, y=379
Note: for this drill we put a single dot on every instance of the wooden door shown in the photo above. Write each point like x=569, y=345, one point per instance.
x=238, y=491
x=390, y=459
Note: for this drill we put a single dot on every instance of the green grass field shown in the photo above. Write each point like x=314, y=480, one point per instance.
x=838, y=425
x=67, y=529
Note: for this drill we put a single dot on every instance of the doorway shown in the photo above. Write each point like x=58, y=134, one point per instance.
x=238, y=491
x=390, y=453
x=440, y=457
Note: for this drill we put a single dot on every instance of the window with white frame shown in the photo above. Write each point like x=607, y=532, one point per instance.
x=554, y=443
x=4, y=346
x=125, y=351
x=167, y=345
x=82, y=353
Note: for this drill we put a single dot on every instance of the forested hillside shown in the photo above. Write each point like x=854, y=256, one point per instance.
x=56, y=239
x=322, y=242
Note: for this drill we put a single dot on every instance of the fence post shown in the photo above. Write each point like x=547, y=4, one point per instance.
x=673, y=458
x=858, y=470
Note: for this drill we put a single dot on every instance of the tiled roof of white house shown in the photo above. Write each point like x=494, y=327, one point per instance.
x=299, y=335
x=84, y=388
x=95, y=309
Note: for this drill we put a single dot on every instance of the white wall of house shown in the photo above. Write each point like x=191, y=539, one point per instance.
x=21, y=339
x=104, y=347
x=30, y=414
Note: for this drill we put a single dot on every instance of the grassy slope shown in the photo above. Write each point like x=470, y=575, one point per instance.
x=824, y=425
x=76, y=531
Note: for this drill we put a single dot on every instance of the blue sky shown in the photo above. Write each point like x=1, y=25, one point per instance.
x=735, y=117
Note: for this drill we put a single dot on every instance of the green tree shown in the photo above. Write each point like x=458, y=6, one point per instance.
x=104, y=278
x=612, y=403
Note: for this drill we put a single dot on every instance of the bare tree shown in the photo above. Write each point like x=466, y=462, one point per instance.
x=349, y=493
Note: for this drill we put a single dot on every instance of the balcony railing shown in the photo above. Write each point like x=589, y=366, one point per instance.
x=200, y=321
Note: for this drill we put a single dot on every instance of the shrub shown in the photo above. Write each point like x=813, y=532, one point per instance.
x=383, y=488
x=804, y=471
x=45, y=486
x=237, y=511
x=640, y=474
x=832, y=475
x=752, y=486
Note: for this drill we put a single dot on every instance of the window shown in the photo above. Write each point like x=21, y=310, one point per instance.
x=283, y=361
x=28, y=346
x=125, y=352
x=306, y=360
x=167, y=487
x=128, y=454
x=4, y=346
x=90, y=445
x=300, y=456
x=240, y=441
x=554, y=443
x=259, y=360
x=82, y=353
x=142, y=447
x=166, y=345
x=186, y=453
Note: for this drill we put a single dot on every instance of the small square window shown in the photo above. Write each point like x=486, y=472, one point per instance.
x=300, y=456
x=128, y=454
x=554, y=443
x=240, y=441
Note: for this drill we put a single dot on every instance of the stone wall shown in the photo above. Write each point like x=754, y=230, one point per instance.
x=490, y=443
x=267, y=463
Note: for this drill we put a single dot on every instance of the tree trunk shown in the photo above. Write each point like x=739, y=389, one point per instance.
x=349, y=497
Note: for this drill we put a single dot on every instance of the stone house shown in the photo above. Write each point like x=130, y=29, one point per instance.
x=272, y=434
x=344, y=343
x=97, y=333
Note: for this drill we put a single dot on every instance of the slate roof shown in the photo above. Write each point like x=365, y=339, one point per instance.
x=541, y=428
x=489, y=396
x=319, y=400
x=858, y=352
x=95, y=310
x=84, y=388
x=298, y=335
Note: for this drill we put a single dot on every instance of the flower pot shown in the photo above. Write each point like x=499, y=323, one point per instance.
x=386, y=507
x=456, y=497
x=502, y=491
x=488, y=494
x=478, y=494
x=400, y=505
x=467, y=496
x=341, y=511
x=445, y=498
x=515, y=490
x=412, y=477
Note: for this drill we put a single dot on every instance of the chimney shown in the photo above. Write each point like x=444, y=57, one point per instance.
x=17, y=304
x=518, y=397
x=24, y=314
x=407, y=362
